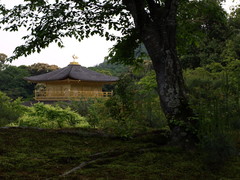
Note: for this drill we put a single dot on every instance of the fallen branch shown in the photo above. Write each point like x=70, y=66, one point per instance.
x=79, y=167
x=105, y=156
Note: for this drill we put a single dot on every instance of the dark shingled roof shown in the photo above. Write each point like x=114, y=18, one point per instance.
x=73, y=71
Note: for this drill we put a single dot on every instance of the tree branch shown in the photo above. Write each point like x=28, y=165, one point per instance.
x=79, y=167
x=136, y=8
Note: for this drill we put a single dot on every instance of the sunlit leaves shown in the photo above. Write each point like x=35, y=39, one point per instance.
x=47, y=116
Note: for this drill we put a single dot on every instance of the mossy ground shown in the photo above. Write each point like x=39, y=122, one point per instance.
x=47, y=154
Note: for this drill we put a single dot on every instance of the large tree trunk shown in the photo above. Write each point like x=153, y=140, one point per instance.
x=172, y=93
x=157, y=28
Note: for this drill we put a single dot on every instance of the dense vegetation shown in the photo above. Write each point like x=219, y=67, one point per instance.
x=12, y=82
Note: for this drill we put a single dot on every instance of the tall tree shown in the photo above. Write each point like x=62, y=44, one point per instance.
x=202, y=31
x=232, y=48
x=41, y=68
x=156, y=26
x=152, y=22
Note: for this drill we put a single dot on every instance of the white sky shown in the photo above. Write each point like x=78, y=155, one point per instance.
x=90, y=51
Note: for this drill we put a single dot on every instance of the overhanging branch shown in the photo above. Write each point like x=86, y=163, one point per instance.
x=137, y=9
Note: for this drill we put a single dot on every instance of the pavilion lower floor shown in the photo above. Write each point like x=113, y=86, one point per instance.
x=43, y=95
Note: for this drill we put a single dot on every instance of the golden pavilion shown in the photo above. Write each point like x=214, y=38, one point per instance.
x=71, y=83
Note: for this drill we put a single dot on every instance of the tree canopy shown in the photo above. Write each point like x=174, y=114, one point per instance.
x=48, y=22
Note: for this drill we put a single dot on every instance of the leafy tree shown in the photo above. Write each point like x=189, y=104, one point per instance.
x=111, y=69
x=13, y=84
x=3, y=58
x=81, y=106
x=152, y=22
x=215, y=96
x=41, y=68
x=234, y=20
x=232, y=48
x=131, y=110
x=202, y=32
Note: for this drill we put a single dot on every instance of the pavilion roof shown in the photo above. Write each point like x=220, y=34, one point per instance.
x=75, y=72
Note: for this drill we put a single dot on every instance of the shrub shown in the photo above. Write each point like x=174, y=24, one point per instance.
x=80, y=106
x=214, y=96
x=10, y=110
x=97, y=113
x=133, y=108
x=47, y=116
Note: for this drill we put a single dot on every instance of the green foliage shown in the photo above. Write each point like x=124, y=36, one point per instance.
x=148, y=83
x=134, y=108
x=115, y=115
x=10, y=110
x=215, y=97
x=97, y=113
x=231, y=50
x=81, y=106
x=111, y=68
x=13, y=84
x=215, y=88
x=12, y=79
x=41, y=68
x=202, y=31
x=123, y=51
x=47, y=116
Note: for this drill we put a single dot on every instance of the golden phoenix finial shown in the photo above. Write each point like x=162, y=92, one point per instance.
x=74, y=57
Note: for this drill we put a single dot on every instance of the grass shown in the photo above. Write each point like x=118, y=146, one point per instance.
x=47, y=154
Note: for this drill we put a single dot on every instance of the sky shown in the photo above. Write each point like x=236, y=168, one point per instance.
x=90, y=52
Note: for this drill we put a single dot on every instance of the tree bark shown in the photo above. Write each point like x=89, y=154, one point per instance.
x=157, y=28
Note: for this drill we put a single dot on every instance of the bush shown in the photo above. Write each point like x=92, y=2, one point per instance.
x=133, y=108
x=47, y=116
x=214, y=96
x=10, y=110
x=80, y=106
x=97, y=113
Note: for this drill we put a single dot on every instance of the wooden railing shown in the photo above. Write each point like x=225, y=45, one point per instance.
x=42, y=95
